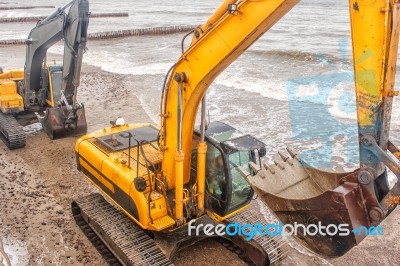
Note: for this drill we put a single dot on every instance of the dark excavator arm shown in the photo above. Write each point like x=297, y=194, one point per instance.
x=73, y=29
x=75, y=38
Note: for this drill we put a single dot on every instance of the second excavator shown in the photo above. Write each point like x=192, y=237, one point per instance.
x=166, y=179
x=48, y=88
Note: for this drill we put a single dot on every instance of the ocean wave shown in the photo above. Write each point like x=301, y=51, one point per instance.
x=176, y=12
x=300, y=56
x=338, y=99
x=16, y=14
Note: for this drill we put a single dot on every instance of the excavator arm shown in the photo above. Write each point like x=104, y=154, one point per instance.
x=226, y=35
x=75, y=38
x=300, y=194
x=375, y=34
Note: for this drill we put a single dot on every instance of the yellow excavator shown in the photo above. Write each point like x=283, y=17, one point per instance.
x=48, y=88
x=169, y=178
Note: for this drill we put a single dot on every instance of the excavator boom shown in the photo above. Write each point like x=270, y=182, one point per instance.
x=46, y=33
x=227, y=34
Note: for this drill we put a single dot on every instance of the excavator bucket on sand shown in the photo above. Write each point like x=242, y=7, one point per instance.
x=59, y=122
x=336, y=202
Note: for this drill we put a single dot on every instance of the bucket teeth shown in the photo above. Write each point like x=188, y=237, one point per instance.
x=281, y=176
x=285, y=165
x=254, y=167
x=262, y=174
x=279, y=162
x=272, y=168
x=286, y=158
x=292, y=152
x=243, y=172
x=283, y=156
x=268, y=169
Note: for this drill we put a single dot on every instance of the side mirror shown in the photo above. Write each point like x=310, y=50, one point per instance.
x=262, y=151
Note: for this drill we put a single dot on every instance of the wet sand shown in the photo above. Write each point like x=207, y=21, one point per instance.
x=38, y=183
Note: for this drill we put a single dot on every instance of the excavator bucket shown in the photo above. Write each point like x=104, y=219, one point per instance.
x=310, y=199
x=59, y=122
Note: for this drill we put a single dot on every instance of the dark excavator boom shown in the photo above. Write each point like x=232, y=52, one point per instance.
x=46, y=33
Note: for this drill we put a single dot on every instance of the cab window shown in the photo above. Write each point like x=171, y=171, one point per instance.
x=215, y=173
x=241, y=190
x=56, y=79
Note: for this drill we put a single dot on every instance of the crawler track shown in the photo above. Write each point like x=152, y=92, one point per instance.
x=121, y=242
x=11, y=131
x=96, y=241
x=126, y=241
x=275, y=247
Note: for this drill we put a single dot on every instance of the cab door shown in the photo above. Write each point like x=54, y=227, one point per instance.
x=55, y=82
x=217, y=180
x=217, y=184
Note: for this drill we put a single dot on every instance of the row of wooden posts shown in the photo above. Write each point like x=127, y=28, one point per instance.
x=23, y=7
x=119, y=34
x=39, y=18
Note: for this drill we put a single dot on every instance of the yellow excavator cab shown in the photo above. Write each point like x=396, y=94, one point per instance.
x=12, y=73
x=10, y=100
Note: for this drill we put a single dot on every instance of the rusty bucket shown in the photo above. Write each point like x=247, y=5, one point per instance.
x=301, y=195
x=59, y=122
